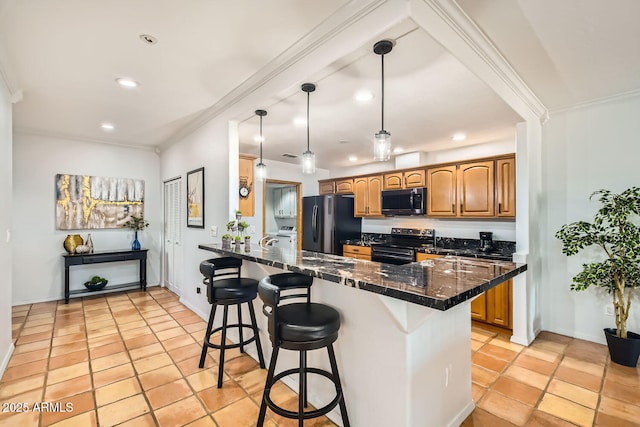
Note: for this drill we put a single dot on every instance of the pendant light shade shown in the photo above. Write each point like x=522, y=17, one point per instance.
x=308, y=157
x=382, y=141
x=261, y=168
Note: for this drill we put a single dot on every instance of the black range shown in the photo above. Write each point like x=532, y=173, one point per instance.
x=402, y=244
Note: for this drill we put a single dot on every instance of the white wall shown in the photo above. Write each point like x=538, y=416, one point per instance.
x=584, y=150
x=36, y=161
x=6, y=345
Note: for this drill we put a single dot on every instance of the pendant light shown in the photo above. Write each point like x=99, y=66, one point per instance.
x=308, y=158
x=261, y=168
x=382, y=141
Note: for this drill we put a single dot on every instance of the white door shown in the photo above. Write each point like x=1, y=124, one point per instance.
x=173, y=219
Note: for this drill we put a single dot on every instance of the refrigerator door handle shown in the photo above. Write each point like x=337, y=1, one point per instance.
x=314, y=223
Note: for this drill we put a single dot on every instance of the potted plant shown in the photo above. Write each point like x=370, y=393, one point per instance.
x=238, y=215
x=242, y=227
x=226, y=240
x=96, y=283
x=615, y=230
x=238, y=240
x=136, y=223
x=232, y=226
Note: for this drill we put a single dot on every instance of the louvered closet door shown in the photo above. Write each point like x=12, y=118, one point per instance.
x=173, y=223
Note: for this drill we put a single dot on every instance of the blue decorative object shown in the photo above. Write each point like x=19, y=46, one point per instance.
x=135, y=246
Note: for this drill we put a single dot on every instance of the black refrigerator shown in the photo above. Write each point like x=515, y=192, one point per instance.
x=327, y=221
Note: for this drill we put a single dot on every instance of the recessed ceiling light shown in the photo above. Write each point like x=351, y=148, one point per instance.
x=363, y=96
x=459, y=137
x=398, y=150
x=148, y=39
x=299, y=121
x=353, y=159
x=127, y=83
x=107, y=126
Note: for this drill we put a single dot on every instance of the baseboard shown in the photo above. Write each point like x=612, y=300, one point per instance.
x=58, y=298
x=5, y=359
x=464, y=413
x=196, y=310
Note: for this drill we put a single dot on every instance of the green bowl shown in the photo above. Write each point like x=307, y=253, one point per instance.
x=96, y=286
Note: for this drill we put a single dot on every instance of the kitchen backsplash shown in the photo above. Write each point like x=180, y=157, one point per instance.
x=449, y=242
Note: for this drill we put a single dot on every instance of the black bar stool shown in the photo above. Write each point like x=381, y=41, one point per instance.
x=225, y=287
x=299, y=326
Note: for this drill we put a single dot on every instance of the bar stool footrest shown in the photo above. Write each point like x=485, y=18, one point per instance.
x=308, y=414
x=227, y=346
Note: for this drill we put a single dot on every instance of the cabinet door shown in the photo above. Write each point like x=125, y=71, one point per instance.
x=247, y=205
x=277, y=202
x=499, y=304
x=476, y=189
x=374, y=196
x=441, y=191
x=326, y=187
x=422, y=256
x=293, y=201
x=360, y=187
x=344, y=186
x=479, y=307
x=288, y=202
x=414, y=179
x=506, y=187
x=393, y=181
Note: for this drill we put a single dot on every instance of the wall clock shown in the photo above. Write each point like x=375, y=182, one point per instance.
x=245, y=188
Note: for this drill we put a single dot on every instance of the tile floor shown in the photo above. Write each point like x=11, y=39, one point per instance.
x=131, y=359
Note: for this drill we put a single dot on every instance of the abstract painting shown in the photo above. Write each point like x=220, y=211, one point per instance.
x=195, y=198
x=89, y=202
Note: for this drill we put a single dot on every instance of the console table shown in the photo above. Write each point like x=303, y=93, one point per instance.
x=102, y=257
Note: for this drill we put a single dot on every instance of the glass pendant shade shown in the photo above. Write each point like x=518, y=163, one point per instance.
x=308, y=162
x=382, y=146
x=261, y=172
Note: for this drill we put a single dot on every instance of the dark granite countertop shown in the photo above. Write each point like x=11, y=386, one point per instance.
x=437, y=283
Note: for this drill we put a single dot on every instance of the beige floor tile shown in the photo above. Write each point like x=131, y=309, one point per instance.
x=170, y=333
x=26, y=348
x=147, y=350
x=476, y=345
x=104, y=340
x=152, y=362
x=240, y=365
x=168, y=393
x=190, y=366
x=506, y=408
x=146, y=420
x=195, y=327
x=20, y=419
x=242, y=413
x=122, y=410
x=606, y=420
x=25, y=370
x=182, y=353
x=132, y=325
x=178, y=342
x=488, y=362
x=623, y=375
x=110, y=361
x=619, y=409
x=180, y=413
x=85, y=419
x=574, y=393
x=253, y=382
x=483, y=377
x=12, y=388
x=47, y=327
x=542, y=419
x=555, y=347
x=159, y=377
x=589, y=352
x=205, y=378
x=75, y=405
x=163, y=326
x=215, y=398
x=67, y=373
x=68, y=388
x=206, y=422
x=517, y=390
x=68, y=339
x=534, y=364
x=504, y=342
x=27, y=339
x=107, y=349
x=481, y=418
x=61, y=350
x=527, y=376
x=581, y=365
x=68, y=359
x=566, y=410
x=117, y=391
x=140, y=341
x=579, y=378
x=112, y=375
x=498, y=352
x=616, y=390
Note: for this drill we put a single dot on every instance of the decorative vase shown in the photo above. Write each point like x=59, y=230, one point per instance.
x=82, y=249
x=135, y=246
x=623, y=351
x=71, y=242
x=247, y=240
x=238, y=216
x=89, y=243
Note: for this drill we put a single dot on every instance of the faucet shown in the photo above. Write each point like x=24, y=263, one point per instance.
x=269, y=241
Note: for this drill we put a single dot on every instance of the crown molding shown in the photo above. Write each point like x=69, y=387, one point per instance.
x=71, y=137
x=597, y=101
x=454, y=18
x=337, y=23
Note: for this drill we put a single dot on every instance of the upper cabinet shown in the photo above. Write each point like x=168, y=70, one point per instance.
x=367, y=192
x=344, y=186
x=482, y=189
x=404, y=179
x=506, y=187
x=327, y=187
x=284, y=202
x=246, y=203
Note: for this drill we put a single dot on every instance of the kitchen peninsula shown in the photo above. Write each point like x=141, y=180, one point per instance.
x=404, y=347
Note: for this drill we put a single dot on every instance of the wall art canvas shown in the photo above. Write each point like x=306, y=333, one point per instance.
x=195, y=198
x=89, y=202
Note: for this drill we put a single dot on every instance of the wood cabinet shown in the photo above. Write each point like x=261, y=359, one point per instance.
x=327, y=187
x=506, y=188
x=367, y=192
x=476, y=189
x=442, y=191
x=422, y=256
x=355, y=251
x=284, y=202
x=343, y=186
x=406, y=179
x=495, y=306
x=247, y=204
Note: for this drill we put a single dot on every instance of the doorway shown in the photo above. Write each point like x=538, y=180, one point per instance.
x=172, y=243
x=282, y=207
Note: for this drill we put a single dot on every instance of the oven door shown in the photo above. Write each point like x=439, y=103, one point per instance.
x=397, y=256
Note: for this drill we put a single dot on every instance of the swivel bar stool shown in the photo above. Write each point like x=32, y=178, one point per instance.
x=299, y=326
x=225, y=287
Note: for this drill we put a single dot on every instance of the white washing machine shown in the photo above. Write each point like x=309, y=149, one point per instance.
x=287, y=237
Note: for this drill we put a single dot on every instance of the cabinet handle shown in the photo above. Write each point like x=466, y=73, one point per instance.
x=499, y=208
x=453, y=208
x=460, y=207
x=405, y=181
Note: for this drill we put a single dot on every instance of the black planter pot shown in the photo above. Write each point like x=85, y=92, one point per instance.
x=623, y=351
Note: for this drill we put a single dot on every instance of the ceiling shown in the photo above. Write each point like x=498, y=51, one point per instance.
x=66, y=55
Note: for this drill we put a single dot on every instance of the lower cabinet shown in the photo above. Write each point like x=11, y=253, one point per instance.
x=494, y=306
x=355, y=251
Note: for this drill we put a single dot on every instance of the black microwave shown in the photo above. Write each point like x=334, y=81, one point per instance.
x=411, y=201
